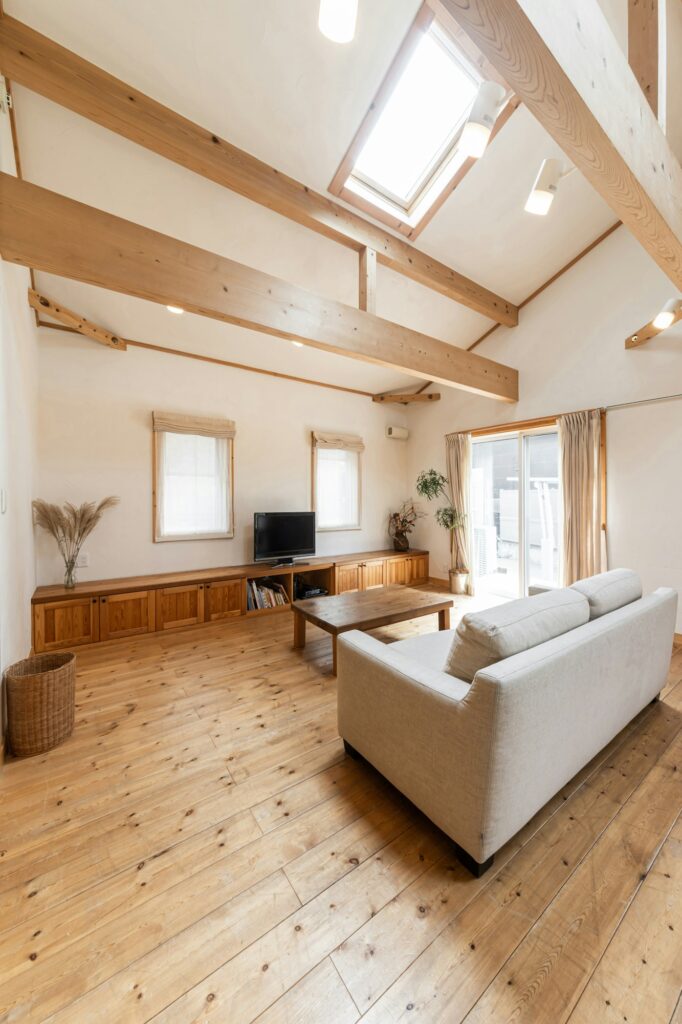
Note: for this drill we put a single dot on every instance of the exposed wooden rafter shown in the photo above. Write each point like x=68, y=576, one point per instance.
x=52, y=233
x=407, y=399
x=49, y=69
x=565, y=64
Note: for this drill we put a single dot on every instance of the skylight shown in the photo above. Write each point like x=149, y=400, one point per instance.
x=408, y=151
x=418, y=124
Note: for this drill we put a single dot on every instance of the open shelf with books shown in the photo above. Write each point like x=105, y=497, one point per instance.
x=268, y=594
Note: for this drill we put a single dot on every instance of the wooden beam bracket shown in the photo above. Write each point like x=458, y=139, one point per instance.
x=65, y=316
x=407, y=399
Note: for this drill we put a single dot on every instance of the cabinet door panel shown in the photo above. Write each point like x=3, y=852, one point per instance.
x=374, y=574
x=64, y=624
x=419, y=569
x=179, y=606
x=397, y=571
x=223, y=599
x=348, y=578
x=126, y=614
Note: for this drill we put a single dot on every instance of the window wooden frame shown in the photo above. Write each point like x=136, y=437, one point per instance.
x=335, y=529
x=229, y=534
x=430, y=11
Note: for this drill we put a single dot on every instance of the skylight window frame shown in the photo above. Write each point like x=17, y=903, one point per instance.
x=445, y=151
x=449, y=167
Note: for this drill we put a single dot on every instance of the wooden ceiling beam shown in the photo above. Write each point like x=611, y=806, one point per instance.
x=563, y=61
x=49, y=69
x=58, y=235
x=68, y=318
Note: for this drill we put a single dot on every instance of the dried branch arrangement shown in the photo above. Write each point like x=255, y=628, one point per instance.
x=70, y=526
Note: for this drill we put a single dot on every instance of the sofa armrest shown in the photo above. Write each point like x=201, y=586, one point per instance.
x=424, y=730
x=399, y=668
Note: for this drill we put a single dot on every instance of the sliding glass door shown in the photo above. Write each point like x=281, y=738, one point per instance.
x=515, y=511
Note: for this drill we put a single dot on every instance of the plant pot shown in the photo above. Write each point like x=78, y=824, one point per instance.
x=401, y=542
x=458, y=582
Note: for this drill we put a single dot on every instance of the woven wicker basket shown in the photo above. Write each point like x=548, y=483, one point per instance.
x=41, y=694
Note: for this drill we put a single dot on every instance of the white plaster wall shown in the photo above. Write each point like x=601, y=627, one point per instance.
x=569, y=349
x=95, y=439
x=18, y=412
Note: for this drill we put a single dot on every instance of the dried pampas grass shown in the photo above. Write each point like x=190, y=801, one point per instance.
x=70, y=525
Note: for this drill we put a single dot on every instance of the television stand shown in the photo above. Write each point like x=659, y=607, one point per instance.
x=286, y=562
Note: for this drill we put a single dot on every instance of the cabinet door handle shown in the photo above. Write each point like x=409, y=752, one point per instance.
x=104, y=600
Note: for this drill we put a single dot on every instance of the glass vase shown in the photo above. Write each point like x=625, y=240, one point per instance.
x=70, y=574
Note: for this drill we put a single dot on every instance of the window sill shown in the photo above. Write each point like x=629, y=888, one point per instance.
x=336, y=529
x=194, y=536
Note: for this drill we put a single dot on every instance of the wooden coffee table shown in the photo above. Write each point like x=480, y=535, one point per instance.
x=367, y=610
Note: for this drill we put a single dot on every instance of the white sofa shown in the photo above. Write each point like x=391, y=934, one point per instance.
x=480, y=759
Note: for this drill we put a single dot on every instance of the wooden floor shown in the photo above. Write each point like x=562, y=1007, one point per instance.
x=202, y=850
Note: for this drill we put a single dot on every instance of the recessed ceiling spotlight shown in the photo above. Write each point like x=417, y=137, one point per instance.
x=668, y=314
x=175, y=309
x=485, y=108
x=545, y=187
x=298, y=344
x=337, y=19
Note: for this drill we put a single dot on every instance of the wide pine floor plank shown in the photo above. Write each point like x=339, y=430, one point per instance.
x=202, y=850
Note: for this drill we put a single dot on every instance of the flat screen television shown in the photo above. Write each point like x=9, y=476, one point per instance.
x=283, y=535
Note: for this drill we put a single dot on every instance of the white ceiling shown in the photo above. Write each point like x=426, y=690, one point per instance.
x=259, y=73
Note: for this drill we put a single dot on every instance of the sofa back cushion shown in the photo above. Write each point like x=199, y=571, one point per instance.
x=610, y=590
x=483, y=638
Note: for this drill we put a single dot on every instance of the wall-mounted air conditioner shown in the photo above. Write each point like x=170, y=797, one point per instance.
x=397, y=433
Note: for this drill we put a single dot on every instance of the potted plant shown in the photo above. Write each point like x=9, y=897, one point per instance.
x=431, y=485
x=70, y=526
x=401, y=524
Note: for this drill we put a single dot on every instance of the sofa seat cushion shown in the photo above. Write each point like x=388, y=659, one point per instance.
x=610, y=590
x=429, y=650
x=484, y=638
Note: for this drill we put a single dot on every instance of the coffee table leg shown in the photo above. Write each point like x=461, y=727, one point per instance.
x=299, y=630
x=444, y=619
x=334, y=638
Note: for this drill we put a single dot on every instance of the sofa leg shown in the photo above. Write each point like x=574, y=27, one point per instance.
x=352, y=752
x=472, y=865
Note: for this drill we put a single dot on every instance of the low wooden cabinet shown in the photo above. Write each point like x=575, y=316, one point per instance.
x=223, y=599
x=127, y=614
x=179, y=606
x=67, y=623
x=119, y=608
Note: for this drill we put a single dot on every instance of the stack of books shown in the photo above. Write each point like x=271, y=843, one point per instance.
x=265, y=593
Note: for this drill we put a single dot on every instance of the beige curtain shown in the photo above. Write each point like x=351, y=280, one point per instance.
x=458, y=457
x=584, y=549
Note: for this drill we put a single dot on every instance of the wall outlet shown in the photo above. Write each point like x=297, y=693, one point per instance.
x=83, y=560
